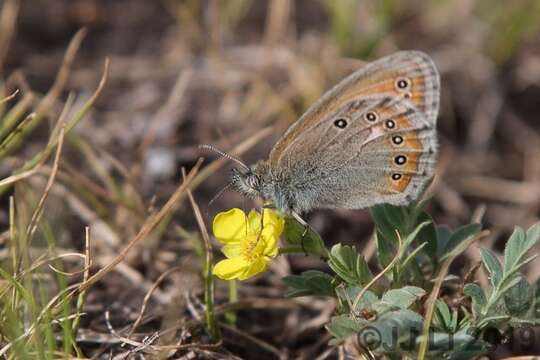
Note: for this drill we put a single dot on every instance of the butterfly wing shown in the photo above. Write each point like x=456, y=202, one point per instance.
x=370, y=139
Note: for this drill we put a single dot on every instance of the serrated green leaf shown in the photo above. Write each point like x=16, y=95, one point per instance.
x=349, y=265
x=384, y=254
x=519, y=298
x=396, y=216
x=533, y=233
x=513, y=250
x=478, y=297
x=443, y=236
x=341, y=327
x=517, y=247
x=392, y=332
x=399, y=298
x=428, y=235
x=309, y=283
x=443, y=316
x=296, y=234
x=412, y=236
x=458, y=236
x=383, y=227
x=348, y=295
x=493, y=266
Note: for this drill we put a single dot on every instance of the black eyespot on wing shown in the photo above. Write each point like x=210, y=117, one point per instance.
x=400, y=159
x=390, y=124
x=397, y=140
x=396, y=176
x=340, y=123
x=371, y=116
x=403, y=83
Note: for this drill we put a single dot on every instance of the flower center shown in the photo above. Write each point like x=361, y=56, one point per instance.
x=253, y=246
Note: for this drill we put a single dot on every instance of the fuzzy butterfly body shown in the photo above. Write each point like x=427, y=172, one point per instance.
x=371, y=139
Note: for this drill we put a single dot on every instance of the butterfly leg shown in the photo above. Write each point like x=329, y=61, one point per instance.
x=306, y=228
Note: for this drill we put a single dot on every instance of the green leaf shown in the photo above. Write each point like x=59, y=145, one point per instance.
x=396, y=216
x=493, y=266
x=513, y=250
x=428, y=235
x=533, y=233
x=349, y=265
x=517, y=247
x=460, y=235
x=310, y=282
x=478, y=297
x=387, y=220
x=392, y=332
x=400, y=298
x=349, y=293
x=519, y=298
x=341, y=327
x=296, y=234
x=443, y=316
x=443, y=236
x=384, y=253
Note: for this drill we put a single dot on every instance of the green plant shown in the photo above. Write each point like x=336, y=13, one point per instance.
x=390, y=313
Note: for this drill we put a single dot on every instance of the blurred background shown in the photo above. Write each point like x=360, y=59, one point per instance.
x=236, y=74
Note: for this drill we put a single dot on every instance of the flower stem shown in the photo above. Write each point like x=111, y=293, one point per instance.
x=230, y=316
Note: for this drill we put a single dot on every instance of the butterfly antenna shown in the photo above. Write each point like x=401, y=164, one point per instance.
x=219, y=194
x=225, y=155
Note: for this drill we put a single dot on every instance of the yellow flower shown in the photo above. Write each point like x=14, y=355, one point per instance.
x=248, y=248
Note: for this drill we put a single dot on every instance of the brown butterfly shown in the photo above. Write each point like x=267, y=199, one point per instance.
x=370, y=139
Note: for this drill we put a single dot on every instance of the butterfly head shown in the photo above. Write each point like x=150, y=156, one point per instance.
x=246, y=182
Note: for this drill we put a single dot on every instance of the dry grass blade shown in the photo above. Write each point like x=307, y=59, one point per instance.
x=50, y=98
x=9, y=97
x=74, y=121
x=12, y=118
x=70, y=290
x=36, y=215
x=87, y=265
x=14, y=178
x=63, y=73
x=432, y=299
x=147, y=227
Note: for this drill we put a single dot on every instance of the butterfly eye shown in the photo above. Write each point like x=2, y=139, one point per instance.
x=253, y=181
x=390, y=124
x=403, y=83
x=400, y=159
x=396, y=176
x=340, y=123
x=371, y=116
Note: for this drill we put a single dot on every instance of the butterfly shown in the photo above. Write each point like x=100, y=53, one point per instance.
x=370, y=139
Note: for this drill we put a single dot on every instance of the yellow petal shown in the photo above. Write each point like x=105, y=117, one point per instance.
x=229, y=269
x=274, y=222
x=254, y=268
x=232, y=250
x=230, y=226
x=271, y=246
x=254, y=221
